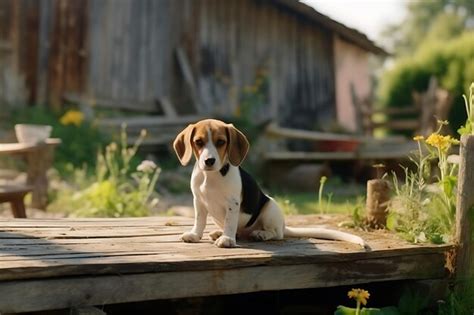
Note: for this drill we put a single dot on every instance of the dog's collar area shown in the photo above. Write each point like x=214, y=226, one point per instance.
x=225, y=169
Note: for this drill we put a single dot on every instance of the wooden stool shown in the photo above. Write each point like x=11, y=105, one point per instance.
x=15, y=194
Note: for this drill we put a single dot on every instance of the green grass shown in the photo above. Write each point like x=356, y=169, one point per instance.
x=343, y=199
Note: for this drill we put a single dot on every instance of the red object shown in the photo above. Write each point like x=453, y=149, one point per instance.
x=338, y=145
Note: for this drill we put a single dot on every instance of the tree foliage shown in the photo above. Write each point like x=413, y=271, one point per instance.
x=435, y=39
x=451, y=62
x=428, y=21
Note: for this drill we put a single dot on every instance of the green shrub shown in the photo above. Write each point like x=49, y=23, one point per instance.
x=451, y=62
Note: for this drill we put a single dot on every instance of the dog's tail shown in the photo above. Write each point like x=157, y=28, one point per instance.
x=325, y=234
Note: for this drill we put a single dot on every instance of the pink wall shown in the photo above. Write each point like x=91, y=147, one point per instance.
x=351, y=65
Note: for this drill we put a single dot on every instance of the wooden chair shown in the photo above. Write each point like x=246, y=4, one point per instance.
x=15, y=194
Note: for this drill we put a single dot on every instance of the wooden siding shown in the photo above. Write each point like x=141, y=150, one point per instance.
x=133, y=48
x=43, y=42
x=127, y=51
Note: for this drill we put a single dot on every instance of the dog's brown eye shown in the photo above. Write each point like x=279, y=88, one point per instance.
x=199, y=142
x=220, y=143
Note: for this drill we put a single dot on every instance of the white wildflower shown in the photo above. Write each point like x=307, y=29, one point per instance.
x=146, y=166
x=421, y=237
x=454, y=159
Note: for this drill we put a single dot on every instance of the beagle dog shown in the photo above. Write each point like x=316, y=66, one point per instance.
x=222, y=189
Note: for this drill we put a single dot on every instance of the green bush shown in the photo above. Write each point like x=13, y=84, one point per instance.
x=80, y=142
x=451, y=62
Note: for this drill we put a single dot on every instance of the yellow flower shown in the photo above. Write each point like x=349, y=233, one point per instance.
x=360, y=295
x=418, y=138
x=72, y=117
x=441, y=142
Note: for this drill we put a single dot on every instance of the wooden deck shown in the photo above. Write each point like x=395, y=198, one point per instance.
x=53, y=264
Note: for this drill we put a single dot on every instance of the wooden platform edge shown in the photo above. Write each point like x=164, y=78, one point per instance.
x=69, y=292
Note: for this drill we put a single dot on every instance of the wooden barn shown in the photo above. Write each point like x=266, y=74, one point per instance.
x=193, y=56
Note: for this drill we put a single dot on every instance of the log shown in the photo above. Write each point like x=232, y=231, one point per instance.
x=465, y=211
x=378, y=197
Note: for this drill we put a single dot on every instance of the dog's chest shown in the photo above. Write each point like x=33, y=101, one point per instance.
x=217, y=192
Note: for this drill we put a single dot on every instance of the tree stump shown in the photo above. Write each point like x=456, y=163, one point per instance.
x=378, y=197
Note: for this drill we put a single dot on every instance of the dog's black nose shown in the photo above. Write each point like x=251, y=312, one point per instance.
x=210, y=161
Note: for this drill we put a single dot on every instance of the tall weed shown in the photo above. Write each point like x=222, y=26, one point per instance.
x=423, y=208
x=116, y=189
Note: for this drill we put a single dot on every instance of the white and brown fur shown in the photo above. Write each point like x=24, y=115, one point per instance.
x=217, y=145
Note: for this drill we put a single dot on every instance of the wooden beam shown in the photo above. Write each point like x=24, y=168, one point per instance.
x=90, y=310
x=465, y=211
x=138, y=106
x=36, y=295
x=188, y=77
x=301, y=155
x=168, y=108
x=399, y=124
x=20, y=148
x=277, y=131
x=392, y=111
x=149, y=121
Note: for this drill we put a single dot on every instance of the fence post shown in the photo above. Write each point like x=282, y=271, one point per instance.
x=465, y=211
x=378, y=197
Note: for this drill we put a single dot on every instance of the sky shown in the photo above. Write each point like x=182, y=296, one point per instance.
x=367, y=16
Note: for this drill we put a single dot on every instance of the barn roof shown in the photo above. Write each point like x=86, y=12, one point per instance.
x=349, y=34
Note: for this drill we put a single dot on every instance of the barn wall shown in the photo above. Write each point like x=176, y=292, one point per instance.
x=352, y=67
x=133, y=56
x=126, y=50
x=18, y=47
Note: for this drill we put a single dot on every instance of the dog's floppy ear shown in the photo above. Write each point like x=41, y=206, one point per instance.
x=238, y=145
x=182, y=145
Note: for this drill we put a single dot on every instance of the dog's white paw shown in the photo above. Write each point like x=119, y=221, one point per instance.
x=225, y=242
x=214, y=235
x=190, y=237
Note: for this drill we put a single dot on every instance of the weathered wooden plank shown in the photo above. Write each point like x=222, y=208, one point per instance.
x=87, y=311
x=149, y=221
x=151, y=121
x=148, y=106
x=142, y=262
x=299, y=252
x=105, y=233
x=277, y=131
x=465, y=212
x=23, y=258
x=31, y=295
x=290, y=155
x=45, y=246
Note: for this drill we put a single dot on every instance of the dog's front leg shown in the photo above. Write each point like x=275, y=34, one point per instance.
x=230, y=225
x=200, y=217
